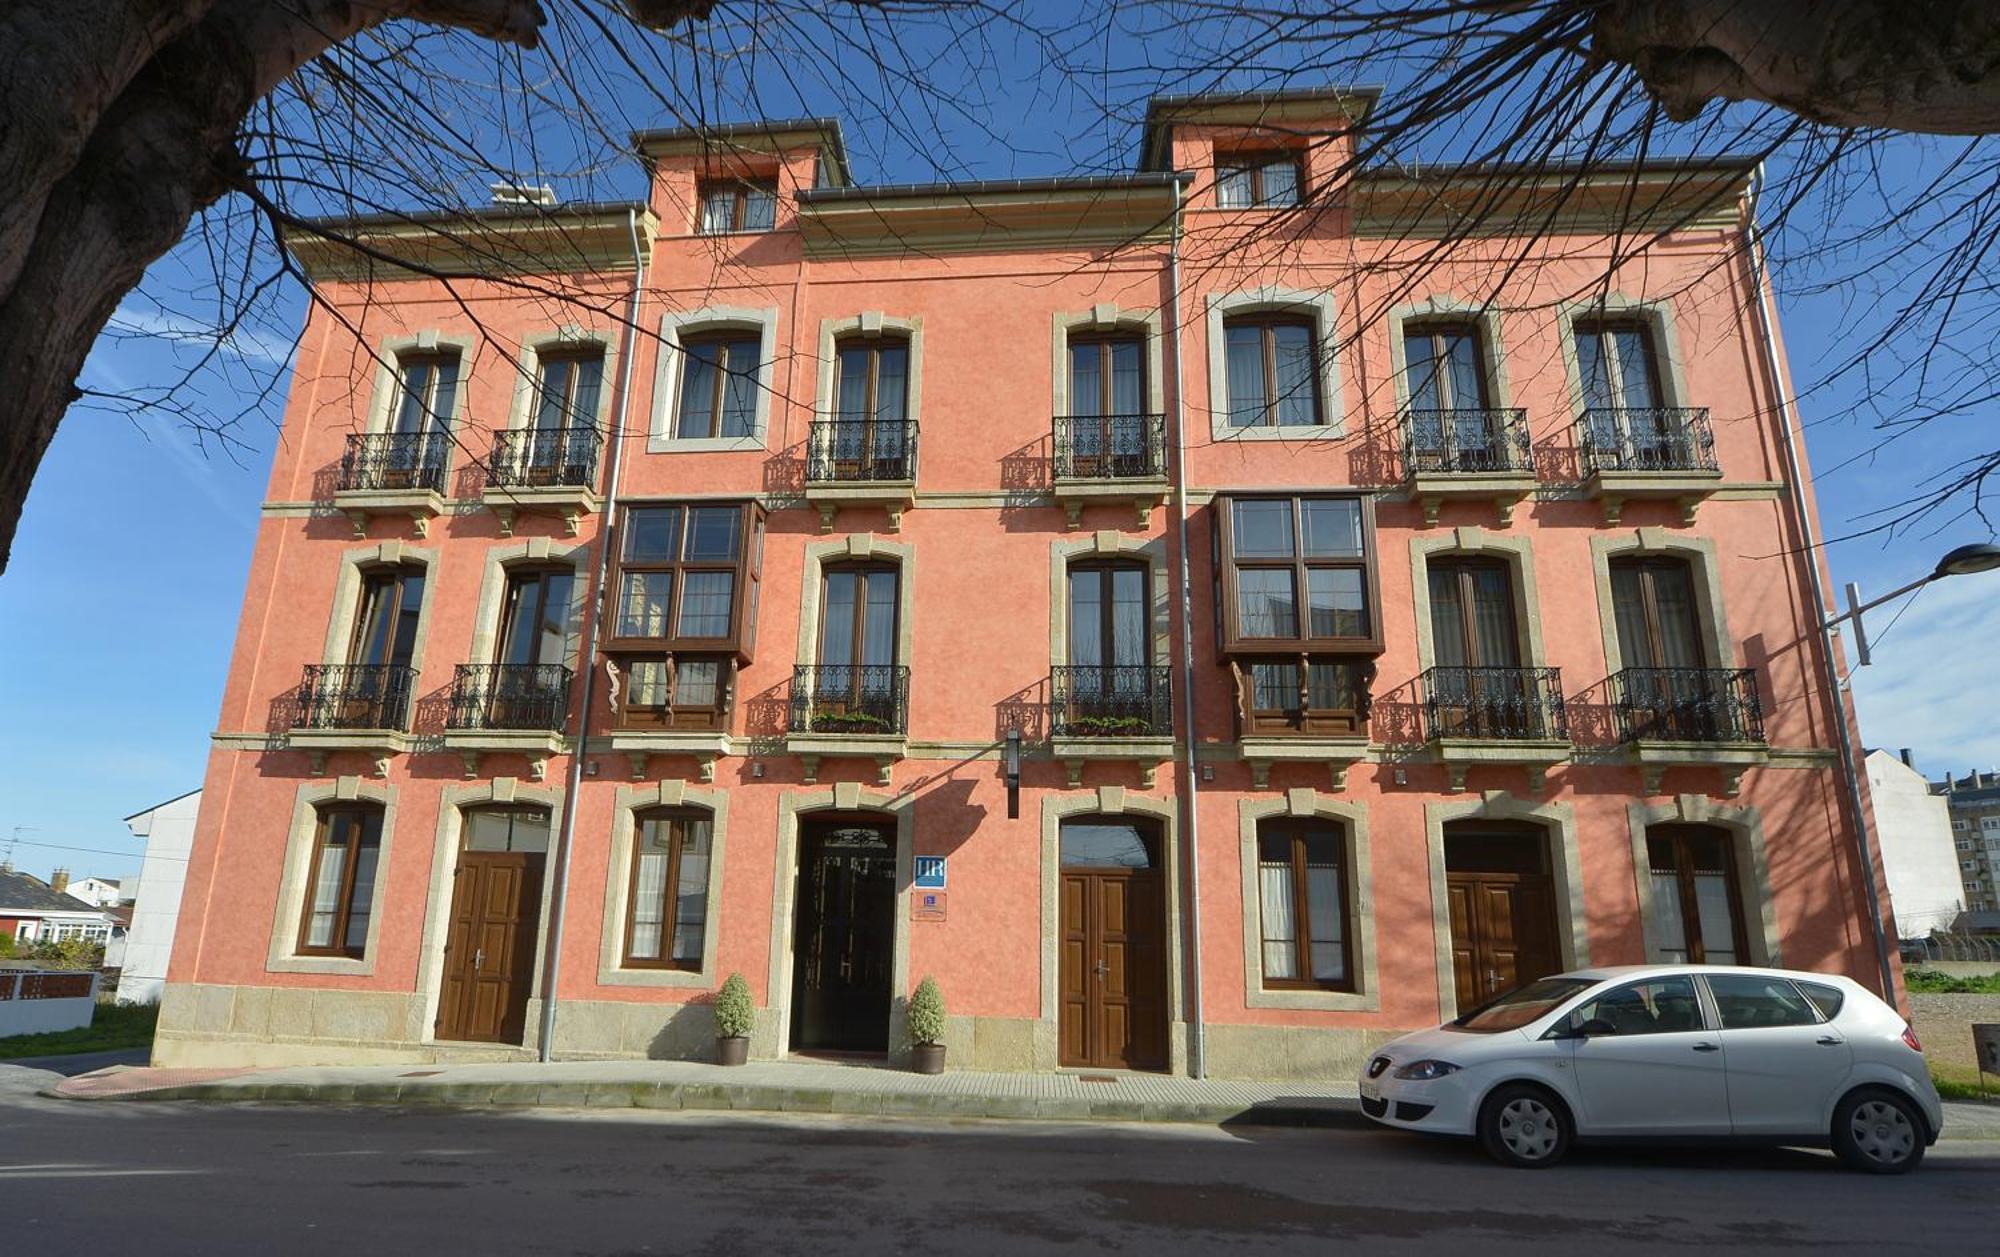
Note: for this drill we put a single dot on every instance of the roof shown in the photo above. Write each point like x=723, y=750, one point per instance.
x=1269, y=110
x=23, y=892
x=162, y=803
x=996, y=187
x=582, y=237
x=755, y=137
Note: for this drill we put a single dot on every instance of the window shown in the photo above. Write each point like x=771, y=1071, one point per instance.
x=566, y=393
x=521, y=829
x=1272, y=366
x=1472, y=614
x=1616, y=363
x=1653, y=602
x=1110, y=616
x=1660, y=1006
x=667, y=902
x=1302, y=892
x=534, y=627
x=427, y=391
x=1282, y=548
x=738, y=205
x=678, y=692
x=1748, y=1002
x=1107, y=375
x=1444, y=365
x=871, y=396
x=718, y=385
x=385, y=631
x=340, y=881
x=682, y=572
x=1826, y=999
x=1243, y=180
x=1695, y=897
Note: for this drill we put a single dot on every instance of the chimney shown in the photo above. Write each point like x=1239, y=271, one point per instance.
x=1908, y=760
x=59, y=881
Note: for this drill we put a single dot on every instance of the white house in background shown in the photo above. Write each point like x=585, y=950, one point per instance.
x=35, y=911
x=168, y=829
x=1913, y=828
x=102, y=892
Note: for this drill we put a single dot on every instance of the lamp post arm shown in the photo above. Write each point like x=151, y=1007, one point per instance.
x=1854, y=612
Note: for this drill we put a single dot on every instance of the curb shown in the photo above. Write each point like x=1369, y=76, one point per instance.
x=722, y=1097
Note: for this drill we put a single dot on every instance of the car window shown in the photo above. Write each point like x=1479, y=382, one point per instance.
x=1748, y=1002
x=1827, y=999
x=1519, y=1007
x=1656, y=1006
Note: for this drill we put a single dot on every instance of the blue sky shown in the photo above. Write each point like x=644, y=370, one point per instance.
x=119, y=609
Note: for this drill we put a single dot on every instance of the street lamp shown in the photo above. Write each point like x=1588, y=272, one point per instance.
x=1963, y=561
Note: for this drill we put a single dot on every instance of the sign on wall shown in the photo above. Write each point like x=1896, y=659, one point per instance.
x=930, y=872
x=927, y=905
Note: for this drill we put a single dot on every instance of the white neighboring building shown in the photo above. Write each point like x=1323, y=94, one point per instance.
x=168, y=829
x=99, y=891
x=1913, y=827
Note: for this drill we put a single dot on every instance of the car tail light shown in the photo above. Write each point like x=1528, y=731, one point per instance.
x=1910, y=1037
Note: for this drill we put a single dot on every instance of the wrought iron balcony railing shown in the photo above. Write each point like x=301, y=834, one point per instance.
x=356, y=696
x=860, y=449
x=1495, y=704
x=1110, y=447
x=1110, y=701
x=1687, y=705
x=1466, y=442
x=395, y=460
x=1649, y=438
x=522, y=696
x=850, y=698
x=533, y=458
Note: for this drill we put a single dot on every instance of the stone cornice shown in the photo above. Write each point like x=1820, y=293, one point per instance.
x=1504, y=200
x=583, y=240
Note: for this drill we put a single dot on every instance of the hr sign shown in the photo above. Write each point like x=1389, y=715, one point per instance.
x=929, y=872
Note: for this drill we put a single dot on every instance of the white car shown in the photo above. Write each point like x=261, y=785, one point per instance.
x=1667, y=1052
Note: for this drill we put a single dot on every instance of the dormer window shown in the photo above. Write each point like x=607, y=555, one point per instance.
x=1246, y=180
x=738, y=205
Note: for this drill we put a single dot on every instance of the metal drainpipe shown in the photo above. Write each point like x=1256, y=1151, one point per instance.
x=552, y=969
x=1836, y=690
x=1197, y=1037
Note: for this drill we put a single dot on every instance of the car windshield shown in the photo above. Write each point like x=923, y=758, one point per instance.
x=1519, y=1007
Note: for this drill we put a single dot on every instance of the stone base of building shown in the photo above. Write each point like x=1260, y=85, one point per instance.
x=210, y=1026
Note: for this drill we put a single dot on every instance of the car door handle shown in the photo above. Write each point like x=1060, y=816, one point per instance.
x=1829, y=1040
x=1706, y=1047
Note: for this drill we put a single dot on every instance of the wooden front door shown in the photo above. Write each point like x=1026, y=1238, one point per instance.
x=1113, y=972
x=844, y=939
x=1502, y=901
x=489, y=952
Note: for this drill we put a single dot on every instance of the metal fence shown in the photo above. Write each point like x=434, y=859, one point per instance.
x=1110, y=701
x=356, y=696
x=859, y=449
x=510, y=696
x=1648, y=438
x=850, y=698
x=1110, y=447
x=395, y=460
x=1466, y=441
x=1495, y=704
x=544, y=457
x=1687, y=705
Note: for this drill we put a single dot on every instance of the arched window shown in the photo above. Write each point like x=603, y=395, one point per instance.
x=1302, y=881
x=719, y=384
x=666, y=912
x=340, y=880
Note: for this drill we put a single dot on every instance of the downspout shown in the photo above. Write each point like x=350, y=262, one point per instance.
x=552, y=968
x=1191, y=820
x=1822, y=615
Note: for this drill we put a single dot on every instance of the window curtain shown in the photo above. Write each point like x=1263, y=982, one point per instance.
x=1244, y=367
x=691, y=894
x=1297, y=403
x=649, y=898
x=1281, y=931
x=698, y=368
x=326, y=893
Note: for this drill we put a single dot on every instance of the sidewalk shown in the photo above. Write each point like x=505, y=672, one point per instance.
x=770, y=1086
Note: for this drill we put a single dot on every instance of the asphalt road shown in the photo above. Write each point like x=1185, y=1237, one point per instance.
x=168, y=1179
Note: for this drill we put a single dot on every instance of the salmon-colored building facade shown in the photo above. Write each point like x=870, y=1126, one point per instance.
x=1135, y=601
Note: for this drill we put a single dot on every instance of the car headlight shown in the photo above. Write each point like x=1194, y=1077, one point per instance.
x=1425, y=1071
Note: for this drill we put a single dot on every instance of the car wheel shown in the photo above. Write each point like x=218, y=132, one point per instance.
x=1878, y=1132
x=1525, y=1127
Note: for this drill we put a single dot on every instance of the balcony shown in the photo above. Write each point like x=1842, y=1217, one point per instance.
x=1111, y=712
x=1114, y=459
x=553, y=470
x=1705, y=717
x=849, y=710
x=1647, y=453
x=1510, y=716
x=857, y=460
x=1467, y=455
x=508, y=707
x=393, y=473
x=353, y=707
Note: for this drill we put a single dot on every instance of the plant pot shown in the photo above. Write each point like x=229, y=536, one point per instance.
x=732, y=1049
x=927, y=1058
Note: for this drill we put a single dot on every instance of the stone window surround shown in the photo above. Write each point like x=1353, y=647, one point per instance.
x=347, y=596
x=1517, y=552
x=1659, y=318
x=1442, y=308
x=528, y=371
x=1358, y=910
x=283, y=956
x=631, y=800
x=1109, y=317
x=870, y=323
x=1558, y=820
x=388, y=373
x=492, y=605
x=846, y=796
x=1745, y=826
x=1700, y=555
x=1319, y=306
x=860, y=547
x=1107, y=801
x=667, y=376
x=1108, y=544
x=453, y=801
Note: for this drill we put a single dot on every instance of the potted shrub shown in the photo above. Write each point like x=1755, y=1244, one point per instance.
x=926, y=1022
x=735, y=1017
